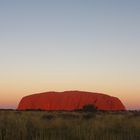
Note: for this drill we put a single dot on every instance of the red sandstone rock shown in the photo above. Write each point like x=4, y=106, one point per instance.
x=69, y=100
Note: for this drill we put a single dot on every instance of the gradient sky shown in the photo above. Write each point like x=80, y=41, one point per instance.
x=57, y=45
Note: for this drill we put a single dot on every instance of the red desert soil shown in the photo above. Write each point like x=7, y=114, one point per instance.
x=70, y=100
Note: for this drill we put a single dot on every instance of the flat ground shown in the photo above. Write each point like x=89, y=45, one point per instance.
x=62, y=125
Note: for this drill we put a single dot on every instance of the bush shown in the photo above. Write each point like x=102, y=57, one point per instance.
x=89, y=108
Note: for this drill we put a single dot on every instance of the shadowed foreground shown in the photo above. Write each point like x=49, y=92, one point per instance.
x=43, y=125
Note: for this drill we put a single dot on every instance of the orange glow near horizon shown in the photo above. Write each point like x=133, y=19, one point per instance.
x=11, y=96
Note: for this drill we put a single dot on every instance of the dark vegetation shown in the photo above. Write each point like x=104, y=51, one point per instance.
x=89, y=108
x=88, y=124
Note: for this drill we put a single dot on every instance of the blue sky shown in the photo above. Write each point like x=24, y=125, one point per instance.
x=88, y=45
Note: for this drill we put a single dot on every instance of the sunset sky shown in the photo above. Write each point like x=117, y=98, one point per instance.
x=57, y=45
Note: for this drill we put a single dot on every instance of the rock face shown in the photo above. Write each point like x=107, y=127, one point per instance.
x=69, y=100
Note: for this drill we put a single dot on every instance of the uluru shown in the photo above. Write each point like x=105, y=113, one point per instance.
x=69, y=100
